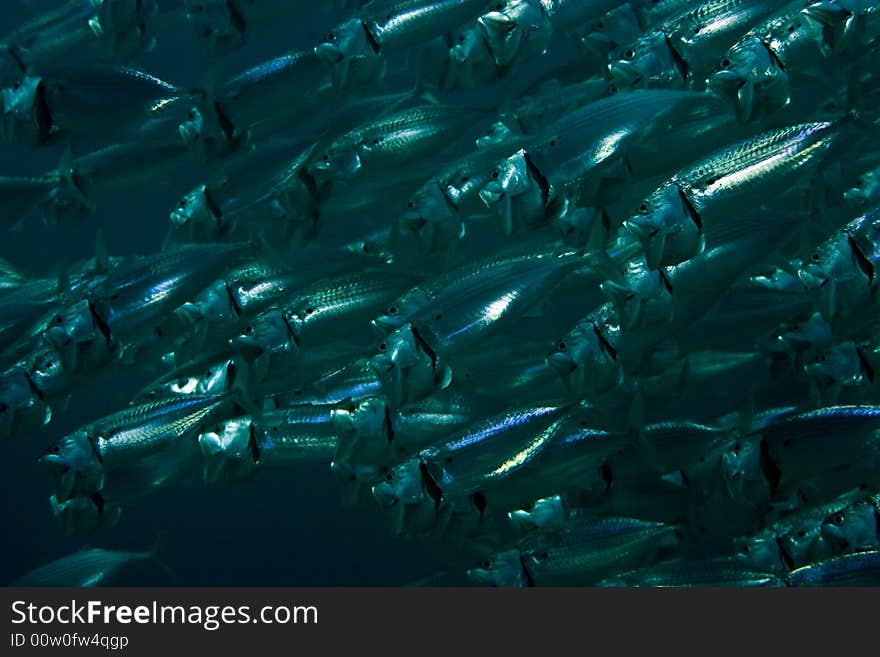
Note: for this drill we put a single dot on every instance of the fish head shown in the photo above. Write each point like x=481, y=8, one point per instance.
x=49, y=374
x=580, y=226
x=210, y=134
x=267, y=332
x=84, y=514
x=432, y=219
x=401, y=485
x=408, y=369
x=853, y=528
x=25, y=117
x=586, y=362
x=339, y=161
x=545, y=513
x=665, y=227
x=229, y=450
x=839, y=366
x=71, y=327
x=802, y=543
x=75, y=465
x=197, y=208
x=751, y=77
x=642, y=298
x=470, y=59
x=649, y=61
x=364, y=430
x=217, y=24
x=17, y=396
x=400, y=311
x=348, y=40
x=843, y=25
x=218, y=378
x=502, y=569
x=213, y=304
x=510, y=178
x=741, y=468
x=123, y=25
x=470, y=46
x=517, y=27
x=812, y=335
x=760, y=551
x=866, y=190
x=619, y=26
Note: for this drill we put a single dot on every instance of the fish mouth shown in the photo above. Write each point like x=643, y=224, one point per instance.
x=385, y=495
x=329, y=53
x=724, y=82
x=180, y=217
x=625, y=73
x=495, y=26
x=492, y=194
x=562, y=363
x=383, y=326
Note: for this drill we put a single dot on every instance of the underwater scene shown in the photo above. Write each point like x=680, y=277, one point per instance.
x=519, y=293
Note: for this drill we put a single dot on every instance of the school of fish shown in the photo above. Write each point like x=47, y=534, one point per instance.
x=589, y=289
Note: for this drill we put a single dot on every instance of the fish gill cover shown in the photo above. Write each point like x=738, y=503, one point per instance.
x=515, y=293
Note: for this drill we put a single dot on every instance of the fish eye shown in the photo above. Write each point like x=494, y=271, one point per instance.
x=331, y=37
x=746, y=549
x=737, y=448
x=613, y=89
x=448, y=459
x=486, y=564
x=55, y=449
x=499, y=6
x=697, y=29
x=58, y=319
x=837, y=519
x=375, y=141
x=562, y=346
x=464, y=179
x=383, y=347
x=801, y=533
x=389, y=477
x=629, y=54
x=725, y=63
x=309, y=310
x=815, y=256
x=325, y=157
x=249, y=329
x=438, y=316
x=552, y=142
x=643, y=207
x=410, y=205
x=392, y=310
